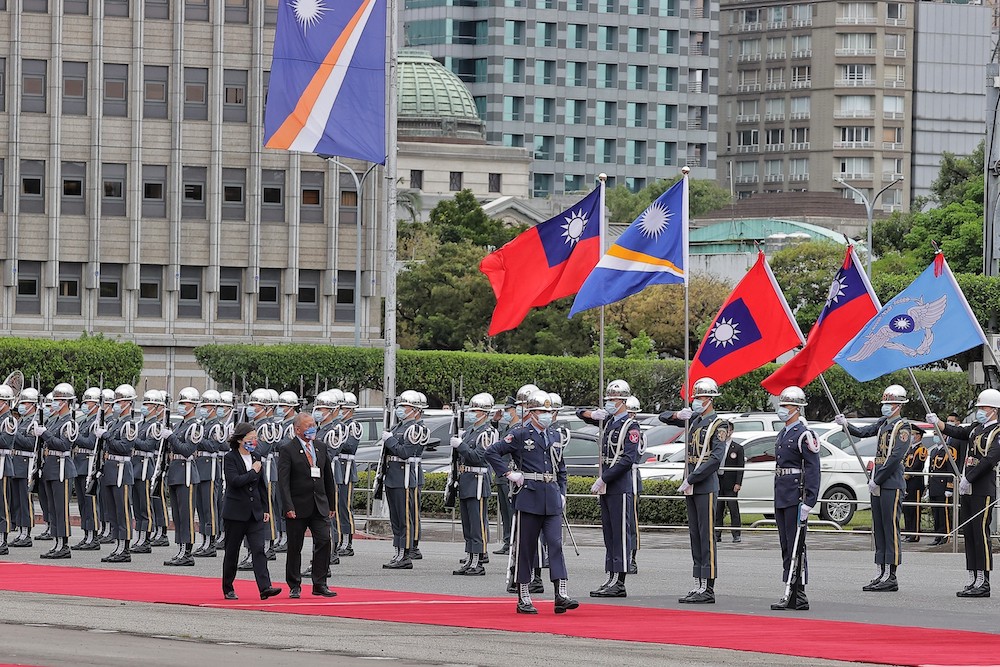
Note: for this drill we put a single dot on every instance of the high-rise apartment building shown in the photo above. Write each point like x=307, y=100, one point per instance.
x=626, y=87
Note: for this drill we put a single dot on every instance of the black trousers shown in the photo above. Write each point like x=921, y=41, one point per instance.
x=942, y=514
x=632, y=522
x=182, y=509
x=118, y=505
x=403, y=516
x=345, y=496
x=86, y=504
x=505, y=511
x=22, y=511
x=206, y=506
x=255, y=532
x=885, y=525
x=701, y=530
x=5, y=523
x=475, y=524
x=319, y=526
x=57, y=496
x=613, y=525
x=733, y=506
x=142, y=501
x=530, y=527
x=787, y=520
x=43, y=501
x=911, y=513
x=978, y=550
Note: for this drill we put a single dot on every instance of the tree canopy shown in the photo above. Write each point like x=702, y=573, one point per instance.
x=624, y=206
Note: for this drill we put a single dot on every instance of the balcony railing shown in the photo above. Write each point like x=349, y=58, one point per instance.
x=892, y=145
x=746, y=57
x=748, y=118
x=775, y=85
x=749, y=148
x=807, y=83
x=798, y=177
x=772, y=117
x=748, y=88
x=777, y=25
x=856, y=176
x=895, y=83
x=801, y=23
x=774, y=148
x=854, y=52
x=854, y=144
x=895, y=53
x=748, y=27
x=774, y=178
x=895, y=21
x=892, y=115
x=694, y=86
x=798, y=146
x=856, y=20
x=890, y=176
x=802, y=53
x=854, y=113
x=854, y=83
x=752, y=178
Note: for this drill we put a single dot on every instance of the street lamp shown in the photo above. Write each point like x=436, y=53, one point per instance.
x=869, y=208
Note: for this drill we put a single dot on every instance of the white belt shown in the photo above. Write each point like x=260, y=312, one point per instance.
x=145, y=455
x=787, y=471
x=21, y=452
x=473, y=469
x=61, y=455
x=205, y=455
x=540, y=477
x=120, y=459
x=349, y=457
x=6, y=452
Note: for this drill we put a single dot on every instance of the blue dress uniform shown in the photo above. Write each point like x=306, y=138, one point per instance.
x=402, y=479
x=143, y=464
x=207, y=461
x=346, y=475
x=941, y=485
x=21, y=507
x=116, y=480
x=913, y=475
x=268, y=441
x=83, y=455
x=474, y=494
x=328, y=435
x=796, y=483
x=975, y=509
x=504, y=505
x=8, y=427
x=183, y=478
x=284, y=431
x=58, y=470
x=706, y=444
x=893, y=442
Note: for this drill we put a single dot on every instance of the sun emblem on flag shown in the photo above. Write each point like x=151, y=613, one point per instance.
x=902, y=323
x=309, y=12
x=725, y=332
x=576, y=223
x=654, y=220
x=836, y=291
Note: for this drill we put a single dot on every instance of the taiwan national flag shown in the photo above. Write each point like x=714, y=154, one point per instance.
x=754, y=326
x=926, y=322
x=547, y=262
x=850, y=303
x=326, y=94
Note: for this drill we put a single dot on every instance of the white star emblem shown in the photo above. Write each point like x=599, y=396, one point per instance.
x=836, y=291
x=309, y=12
x=575, y=225
x=902, y=323
x=725, y=332
x=654, y=220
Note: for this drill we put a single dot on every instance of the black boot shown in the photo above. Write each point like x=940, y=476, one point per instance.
x=269, y=552
x=402, y=561
x=347, y=549
x=281, y=546
x=536, y=585
x=245, y=565
x=4, y=550
x=114, y=552
x=699, y=587
x=415, y=553
x=220, y=541
x=62, y=549
x=46, y=535
x=334, y=558
x=124, y=555
x=504, y=550
x=563, y=601
x=106, y=537
x=208, y=550
x=801, y=601
x=185, y=559
x=160, y=539
x=143, y=547
x=880, y=575
x=524, y=605
x=615, y=588
x=476, y=569
x=511, y=585
x=889, y=583
x=633, y=567
x=980, y=587
x=466, y=564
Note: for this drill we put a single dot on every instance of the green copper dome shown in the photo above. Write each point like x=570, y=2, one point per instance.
x=434, y=104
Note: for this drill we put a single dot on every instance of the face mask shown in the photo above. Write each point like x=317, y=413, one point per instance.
x=202, y=413
x=116, y=409
x=887, y=409
x=310, y=434
x=250, y=445
x=981, y=416
x=611, y=407
x=783, y=413
x=46, y=411
x=144, y=410
x=251, y=412
x=545, y=419
x=400, y=413
x=473, y=416
x=319, y=416
x=506, y=418
x=22, y=409
x=697, y=406
x=520, y=411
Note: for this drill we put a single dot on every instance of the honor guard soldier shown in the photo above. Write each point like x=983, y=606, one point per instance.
x=632, y=506
x=40, y=488
x=286, y=408
x=8, y=427
x=346, y=471
x=326, y=414
x=404, y=445
x=144, y=457
x=225, y=412
x=21, y=506
x=977, y=489
x=117, y=476
x=59, y=438
x=209, y=470
x=84, y=460
x=706, y=442
x=913, y=475
x=796, y=490
x=277, y=436
x=620, y=445
x=886, y=485
x=503, y=419
x=105, y=536
x=183, y=476
x=538, y=471
x=474, y=481
x=524, y=394
x=259, y=411
x=941, y=482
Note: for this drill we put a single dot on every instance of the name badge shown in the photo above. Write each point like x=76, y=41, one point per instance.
x=314, y=471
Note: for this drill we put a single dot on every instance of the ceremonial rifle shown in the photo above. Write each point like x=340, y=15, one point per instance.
x=35, y=462
x=451, y=485
x=378, y=482
x=95, y=469
x=156, y=481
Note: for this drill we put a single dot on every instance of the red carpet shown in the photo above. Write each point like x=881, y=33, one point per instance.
x=833, y=640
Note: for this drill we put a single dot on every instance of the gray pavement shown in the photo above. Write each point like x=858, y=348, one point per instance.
x=749, y=581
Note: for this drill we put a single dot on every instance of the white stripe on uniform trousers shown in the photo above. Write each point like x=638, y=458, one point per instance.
x=624, y=531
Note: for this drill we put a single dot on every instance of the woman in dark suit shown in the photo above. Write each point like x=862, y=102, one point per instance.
x=243, y=511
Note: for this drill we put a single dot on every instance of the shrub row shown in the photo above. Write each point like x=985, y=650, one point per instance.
x=81, y=362
x=656, y=383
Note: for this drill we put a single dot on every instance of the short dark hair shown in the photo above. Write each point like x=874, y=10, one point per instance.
x=239, y=433
x=955, y=415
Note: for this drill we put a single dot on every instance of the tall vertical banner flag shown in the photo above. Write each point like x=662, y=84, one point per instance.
x=652, y=251
x=850, y=303
x=545, y=263
x=326, y=94
x=753, y=327
x=926, y=322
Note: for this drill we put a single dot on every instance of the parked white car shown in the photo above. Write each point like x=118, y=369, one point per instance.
x=842, y=479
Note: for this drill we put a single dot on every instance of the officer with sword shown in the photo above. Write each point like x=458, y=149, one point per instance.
x=148, y=442
x=473, y=483
x=59, y=437
x=22, y=462
x=84, y=459
x=404, y=446
x=8, y=427
x=182, y=475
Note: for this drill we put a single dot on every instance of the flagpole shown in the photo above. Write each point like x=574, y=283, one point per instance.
x=927, y=408
x=389, y=210
x=685, y=170
x=850, y=438
x=601, y=182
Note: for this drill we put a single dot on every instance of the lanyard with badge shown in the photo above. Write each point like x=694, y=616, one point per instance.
x=314, y=470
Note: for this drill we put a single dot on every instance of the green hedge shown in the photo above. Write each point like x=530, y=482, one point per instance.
x=656, y=383
x=81, y=361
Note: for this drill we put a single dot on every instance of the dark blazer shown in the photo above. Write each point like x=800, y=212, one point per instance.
x=299, y=490
x=246, y=490
x=734, y=459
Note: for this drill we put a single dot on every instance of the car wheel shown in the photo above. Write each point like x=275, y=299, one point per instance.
x=837, y=505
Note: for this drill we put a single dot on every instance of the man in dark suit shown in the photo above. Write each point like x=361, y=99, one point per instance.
x=730, y=481
x=309, y=496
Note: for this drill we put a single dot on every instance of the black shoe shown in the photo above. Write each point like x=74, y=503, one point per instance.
x=245, y=565
x=183, y=560
x=206, y=552
x=737, y=539
x=404, y=563
x=525, y=607
x=345, y=551
x=23, y=541
x=633, y=567
x=975, y=592
x=699, y=597
x=307, y=573
x=46, y=536
x=64, y=552
x=106, y=539
x=466, y=563
x=512, y=588
x=4, y=550
x=295, y=593
x=269, y=592
x=780, y=605
x=160, y=541
x=563, y=605
x=801, y=601
x=47, y=554
x=503, y=551
x=230, y=595
x=142, y=548
x=887, y=585
x=334, y=558
x=281, y=547
x=120, y=557
x=536, y=586
x=269, y=553
x=615, y=590
x=220, y=543
x=415, y=554
x=718, y=538
x=477, y=571
x=910, y=538
x=324, y=591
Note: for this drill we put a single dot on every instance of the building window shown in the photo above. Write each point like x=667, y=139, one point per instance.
x=269, y=288
x=230, y=293
x=666, y=116
x=116, y=8
x=636, y=114
x=189, y=292
x=513, y=108
x=74, y=89
x=416, y=179
x=270, y=12
x=237, y=11
x=307, y=300
x=115, y=90
x=573, y=149
x=73, y=201
x=68, y=301
x=545, y=72
x=605, y=150
x=607, y=113
x=541, y=185
x=156, y=9
x=109, y=292
x=193, y=184
x=33, y=85
x=635, y=152
x=113, y=189
x=272, y=203
x=545, y=109
x=234, y=102
x=154, y=185
x=455, y=181
x=195, y=10
x=234, y=205
x=576, y=74
x=666, y=78
x=638, y=76
x=494, y=182
x=545, y=34
x=195, y=93
x=3, y=83
x=32, y=198
x=36, y=6
x=667, y=42
x=347, y=212
x=513, y=33
x=576, y=112
x=607, y=75
x=576, y=35
x=344, y=307
x=544, y=147
x=638, y=40
x=150, y=299
x=607, y=38
x=154, y=87
x=513, y=70
x=666, y=153
x=311, y=201
x=28, y=300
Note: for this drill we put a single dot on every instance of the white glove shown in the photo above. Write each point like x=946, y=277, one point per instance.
x=683, y=413
x=564, y=502
x=37, y=429
x=516, y=477
x=840, y=419
x=600, y=414
x=932, y=418
x=99, y=432
x=948, y=494
x=598, y=486
x=685, y=488
x=873, y=487
x=166, y=433
x=386, y=435
x=964, y=487
x=455, y=441
x=804, y=512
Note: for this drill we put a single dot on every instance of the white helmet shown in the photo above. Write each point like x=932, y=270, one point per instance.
x=988, y=398
x=288, y=398
x=325, y=399
x=6, y=394
x=705, y=387
x=125, y=392
x=894, y=394
x=618, y=389
x=154, y=397
x=793, y=396
x=92, y=395
x=211, y=397
x=260, y=396
x=632, y=404
x=28, y=395
x=350, y=400
x=337, y=396
x=540, y=401
x=481, y=401
x=525, y=392
x=557, y=402
x=189, y=395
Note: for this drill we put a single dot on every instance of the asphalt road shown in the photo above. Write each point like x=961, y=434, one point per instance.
x=749, y=581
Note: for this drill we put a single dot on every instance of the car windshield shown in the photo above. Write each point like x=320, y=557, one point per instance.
x=661, y=435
